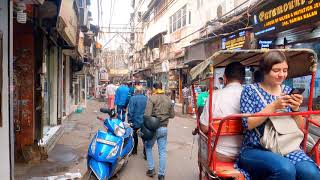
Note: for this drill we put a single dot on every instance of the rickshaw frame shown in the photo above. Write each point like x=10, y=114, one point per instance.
x=210, y=64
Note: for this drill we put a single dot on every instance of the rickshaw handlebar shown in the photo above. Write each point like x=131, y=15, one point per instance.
x=237, y=116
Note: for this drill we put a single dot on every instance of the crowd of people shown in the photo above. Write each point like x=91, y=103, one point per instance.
x=141, y=103
x=266, y=95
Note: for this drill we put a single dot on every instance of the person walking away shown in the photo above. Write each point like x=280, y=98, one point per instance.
x=185, y=93
x=121, y=101
x=136, y=108
x=111, y=91
x=202, y=98
x=160, y=106
x=226, y=102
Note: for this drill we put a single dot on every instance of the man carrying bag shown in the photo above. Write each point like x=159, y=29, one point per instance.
x=160, y=106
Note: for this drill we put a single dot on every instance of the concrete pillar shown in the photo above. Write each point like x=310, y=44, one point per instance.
x=53, y=81
x=67, y=87
x=6, y=131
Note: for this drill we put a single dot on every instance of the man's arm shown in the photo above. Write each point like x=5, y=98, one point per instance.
x=130, y=110
x=116, y=97
x=204, y=117
x=149, y=108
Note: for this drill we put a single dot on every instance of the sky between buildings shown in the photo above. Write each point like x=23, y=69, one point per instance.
x=113, y=12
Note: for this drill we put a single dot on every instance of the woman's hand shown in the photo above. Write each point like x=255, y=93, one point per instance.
x=295, y=101
x=281, y=103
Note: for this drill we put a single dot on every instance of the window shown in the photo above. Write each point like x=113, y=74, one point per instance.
x=178, y=19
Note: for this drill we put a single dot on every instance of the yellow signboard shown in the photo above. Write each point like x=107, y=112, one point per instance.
x=118, y=71
x=283, y=14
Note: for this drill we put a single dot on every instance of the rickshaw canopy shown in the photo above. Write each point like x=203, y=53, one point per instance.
x=302, y=62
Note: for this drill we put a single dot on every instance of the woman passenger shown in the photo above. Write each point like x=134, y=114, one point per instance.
x=255, y=161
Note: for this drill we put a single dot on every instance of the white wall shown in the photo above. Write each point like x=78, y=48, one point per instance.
x=5, y=168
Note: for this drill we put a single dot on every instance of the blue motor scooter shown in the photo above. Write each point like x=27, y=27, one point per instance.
x=109, y=150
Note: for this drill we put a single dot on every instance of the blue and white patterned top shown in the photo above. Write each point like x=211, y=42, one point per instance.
x=251, y=102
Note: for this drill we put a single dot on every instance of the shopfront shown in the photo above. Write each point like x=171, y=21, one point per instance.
x=290, y=24
x=240, y=39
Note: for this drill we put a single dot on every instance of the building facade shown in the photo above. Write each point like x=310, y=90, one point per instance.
x=53, y=71
x=178, y=34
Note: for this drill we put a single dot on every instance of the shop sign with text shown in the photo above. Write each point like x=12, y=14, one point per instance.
x=285, y=14
x=238, y=40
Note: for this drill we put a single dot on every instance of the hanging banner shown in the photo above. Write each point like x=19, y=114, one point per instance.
x=284, y=14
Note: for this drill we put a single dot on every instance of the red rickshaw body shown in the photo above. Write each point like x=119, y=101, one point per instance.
x=305, y=59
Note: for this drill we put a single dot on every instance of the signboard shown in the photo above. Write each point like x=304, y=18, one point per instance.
x=285, y=14
x=238, y=40
x=267, y=44
x=119, y=71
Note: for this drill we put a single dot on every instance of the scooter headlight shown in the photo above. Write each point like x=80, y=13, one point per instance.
x=113, y=152
x=119, y=131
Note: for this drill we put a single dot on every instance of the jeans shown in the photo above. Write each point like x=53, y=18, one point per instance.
x=262, y=164
x=161, y=138
x=121, y=110
x=185, y=105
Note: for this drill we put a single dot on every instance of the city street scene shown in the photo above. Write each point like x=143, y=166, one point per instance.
x=160, y=89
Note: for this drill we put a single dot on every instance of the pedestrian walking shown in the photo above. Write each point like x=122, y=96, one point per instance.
x=121, y=101
x=202, y=98
x=160, y=106
x=136, y=108
x=185, y=93
x=111, y=91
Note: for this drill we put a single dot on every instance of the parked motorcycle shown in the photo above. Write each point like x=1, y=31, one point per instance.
x=109, y=150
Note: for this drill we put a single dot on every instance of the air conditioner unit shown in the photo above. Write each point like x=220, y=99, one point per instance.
x=166, y=39
x=155, y=53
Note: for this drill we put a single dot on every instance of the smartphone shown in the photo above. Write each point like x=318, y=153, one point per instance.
x=297, y=91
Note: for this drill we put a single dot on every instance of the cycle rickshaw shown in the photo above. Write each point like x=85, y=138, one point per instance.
x=302, y=62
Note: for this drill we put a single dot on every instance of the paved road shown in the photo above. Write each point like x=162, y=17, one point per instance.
x=69, y=154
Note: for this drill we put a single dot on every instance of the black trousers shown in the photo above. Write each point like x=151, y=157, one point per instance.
x=200, y=109
x=135, y=137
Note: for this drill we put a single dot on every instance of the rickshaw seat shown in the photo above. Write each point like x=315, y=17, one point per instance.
x=226, y=169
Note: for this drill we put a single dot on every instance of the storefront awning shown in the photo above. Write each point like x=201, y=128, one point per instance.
x=67, y=22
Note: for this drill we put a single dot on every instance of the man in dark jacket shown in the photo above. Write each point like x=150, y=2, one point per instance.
x=137, y=105
x=121, y=101
x=158, y=105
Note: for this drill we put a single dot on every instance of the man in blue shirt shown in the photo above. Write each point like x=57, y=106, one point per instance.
x=137, y=105
x=121, y=101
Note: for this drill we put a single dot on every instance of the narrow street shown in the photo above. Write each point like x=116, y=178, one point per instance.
x=69, y=154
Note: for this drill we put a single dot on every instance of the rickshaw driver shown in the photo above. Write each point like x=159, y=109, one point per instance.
x=226, y=102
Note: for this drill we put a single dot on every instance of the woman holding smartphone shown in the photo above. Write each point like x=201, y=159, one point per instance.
x=255, y=161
